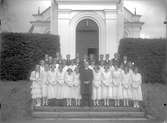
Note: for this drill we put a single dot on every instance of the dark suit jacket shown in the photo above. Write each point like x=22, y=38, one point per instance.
x=68, y=62
x=86, y=75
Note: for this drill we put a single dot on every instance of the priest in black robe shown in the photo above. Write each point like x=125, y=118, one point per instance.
x=86, y=78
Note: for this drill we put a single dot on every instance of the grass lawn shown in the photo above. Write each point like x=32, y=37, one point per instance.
x=155, y=100
x=15, y=100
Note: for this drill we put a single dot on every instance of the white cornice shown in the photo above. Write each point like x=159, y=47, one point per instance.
x=40, y=23
x=136, y=24
x=87, y=1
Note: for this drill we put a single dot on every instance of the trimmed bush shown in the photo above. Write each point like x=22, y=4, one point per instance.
x=148, y=54
x=20, y=52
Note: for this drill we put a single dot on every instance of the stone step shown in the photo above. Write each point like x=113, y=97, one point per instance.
x=101, y=115
x=86, y=109
x=121, y=120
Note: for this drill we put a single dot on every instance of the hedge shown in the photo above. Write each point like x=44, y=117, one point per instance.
x=20, y=52
x=148, y=54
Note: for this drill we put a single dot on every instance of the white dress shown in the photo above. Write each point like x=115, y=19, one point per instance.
x=76, y=86
x=136, y=87
x=56, y=67
x=126, y=86
x=41, y=68
x=106, y=80
x=36, y=88
x=131, y=72
x=97, y=85
x=111, y=68
x=66, y=68
x=44, y=83
x=68, y=87
x=91, y=67
x=60, y=85
x=120, y=88
x=52, y=84
x=101, y=68
x=72, y=67
x=117, y=90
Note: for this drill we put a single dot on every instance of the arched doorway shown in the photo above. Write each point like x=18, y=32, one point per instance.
x=87, y=37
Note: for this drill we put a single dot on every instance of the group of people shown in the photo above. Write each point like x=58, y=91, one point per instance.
x=86, y=79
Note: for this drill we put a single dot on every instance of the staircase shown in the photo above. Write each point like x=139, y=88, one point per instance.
x=86, y=112
x=94, y=114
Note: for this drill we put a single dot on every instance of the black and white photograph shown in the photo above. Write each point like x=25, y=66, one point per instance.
x=83, y=61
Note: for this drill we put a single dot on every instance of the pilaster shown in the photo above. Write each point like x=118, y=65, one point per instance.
x=54, y=17
x=111, y=31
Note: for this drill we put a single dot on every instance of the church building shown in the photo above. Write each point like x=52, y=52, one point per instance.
x=88, y=26
x=84, y=26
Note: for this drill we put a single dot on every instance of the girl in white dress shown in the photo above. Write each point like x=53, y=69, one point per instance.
x=106, y=80
x=101, y=66
x=73, y=65
x=42, y=64
x=51, y=82
x=116, y=78
x=131, y=67
x=60, y=82
x=55, y=64
x=92, y=65
x=136, y=87
x=111, y=66
x=126, y=86
x=65, y=68
x=76, y=87
x=96, y=85
x=122, y=72
x=69, y=80
x=36, y=88
x=44, y=84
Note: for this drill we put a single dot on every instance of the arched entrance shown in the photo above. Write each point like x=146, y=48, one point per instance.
x=87, y=37
x=101, y=28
